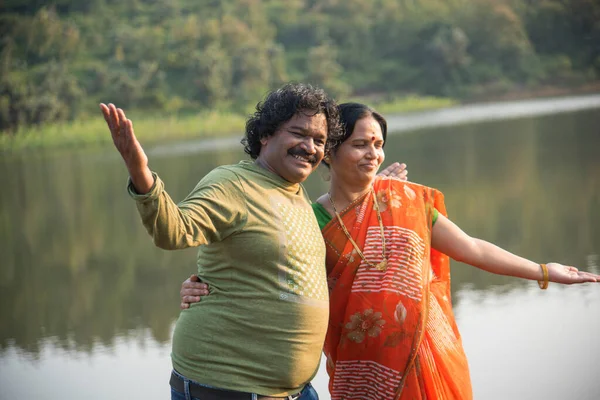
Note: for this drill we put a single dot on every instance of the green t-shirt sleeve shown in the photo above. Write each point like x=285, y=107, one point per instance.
x=435, y=216
x=215, y=209
x=322, y=215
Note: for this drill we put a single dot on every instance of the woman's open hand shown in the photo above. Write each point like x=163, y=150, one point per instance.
x=569, y=275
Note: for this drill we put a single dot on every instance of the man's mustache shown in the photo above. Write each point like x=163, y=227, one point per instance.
x=297, y=151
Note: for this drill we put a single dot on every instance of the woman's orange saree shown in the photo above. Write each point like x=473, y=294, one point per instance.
x=392, y=333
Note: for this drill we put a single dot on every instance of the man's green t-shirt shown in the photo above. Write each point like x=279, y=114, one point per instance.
x=261, y=329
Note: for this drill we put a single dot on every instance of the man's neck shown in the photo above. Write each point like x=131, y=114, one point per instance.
x=263, y=164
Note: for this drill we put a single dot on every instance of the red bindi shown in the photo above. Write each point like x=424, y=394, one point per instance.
x=372, y=138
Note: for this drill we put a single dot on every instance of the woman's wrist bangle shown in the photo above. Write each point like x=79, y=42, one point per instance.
x=544, y=283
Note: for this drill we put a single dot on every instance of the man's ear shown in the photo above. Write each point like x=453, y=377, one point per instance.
x=264, y=140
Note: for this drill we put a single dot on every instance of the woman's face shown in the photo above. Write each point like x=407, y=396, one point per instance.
x=357, y=160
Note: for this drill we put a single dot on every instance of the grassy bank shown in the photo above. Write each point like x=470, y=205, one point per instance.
x=149, y=128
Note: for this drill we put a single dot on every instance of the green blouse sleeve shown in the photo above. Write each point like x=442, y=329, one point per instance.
x=322, y=215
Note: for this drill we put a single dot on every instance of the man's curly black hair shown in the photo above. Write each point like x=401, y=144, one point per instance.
x=281, y=105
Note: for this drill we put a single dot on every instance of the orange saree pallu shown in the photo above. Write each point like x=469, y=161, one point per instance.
x=392, y=333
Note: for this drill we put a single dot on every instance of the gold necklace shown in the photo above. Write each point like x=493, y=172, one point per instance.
x=382, y=266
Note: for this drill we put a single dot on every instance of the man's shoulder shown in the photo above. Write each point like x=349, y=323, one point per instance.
x=222, y=175
x=243, y=168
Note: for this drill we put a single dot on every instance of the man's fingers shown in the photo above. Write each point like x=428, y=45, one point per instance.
x=396, y=170
x=193, y=292
x=399, y=172
x=124, y=129
x=389, y=170
x=189, y=285
x=122, y=121
x=183, y=306
x=130, y=135
x=105, y=113
x=108, y=118
x=114, y=119
x=193, y=289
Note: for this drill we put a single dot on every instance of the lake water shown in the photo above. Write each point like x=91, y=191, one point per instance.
x=87, y=304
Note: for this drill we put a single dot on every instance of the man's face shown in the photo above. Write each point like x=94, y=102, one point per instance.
x=296, y=148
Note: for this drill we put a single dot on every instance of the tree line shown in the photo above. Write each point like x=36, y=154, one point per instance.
x=59, y=58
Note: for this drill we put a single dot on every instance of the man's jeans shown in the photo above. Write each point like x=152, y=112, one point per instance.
x=308, y=393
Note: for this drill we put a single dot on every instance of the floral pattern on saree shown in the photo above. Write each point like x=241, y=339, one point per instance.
x=363, y=324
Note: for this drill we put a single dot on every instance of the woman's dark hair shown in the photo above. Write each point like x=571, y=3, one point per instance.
x=350, y=114
x=281, y=105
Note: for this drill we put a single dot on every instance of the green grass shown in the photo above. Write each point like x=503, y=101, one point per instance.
x=148, y=128
x=93, y=131
x=396, y=105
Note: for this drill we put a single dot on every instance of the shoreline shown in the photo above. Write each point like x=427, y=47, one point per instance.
x=174, y=136
x=540, y=93
x=408, y=122
x=496, y=111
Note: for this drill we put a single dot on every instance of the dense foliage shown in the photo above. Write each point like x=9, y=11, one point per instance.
x=59, y=58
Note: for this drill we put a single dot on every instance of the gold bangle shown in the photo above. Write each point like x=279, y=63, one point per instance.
x=544, y=283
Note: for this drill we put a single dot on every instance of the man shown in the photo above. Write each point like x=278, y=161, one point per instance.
x=260, y=333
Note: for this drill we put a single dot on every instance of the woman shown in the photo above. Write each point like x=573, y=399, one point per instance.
x=392, y=333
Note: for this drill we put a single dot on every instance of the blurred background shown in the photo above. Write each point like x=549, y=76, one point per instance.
x=494, y=102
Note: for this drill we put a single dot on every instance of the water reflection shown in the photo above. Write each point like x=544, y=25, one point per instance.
x=523, y=344
x=84, y=292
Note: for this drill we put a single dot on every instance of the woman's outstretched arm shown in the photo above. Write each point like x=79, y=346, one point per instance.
x=448, y=238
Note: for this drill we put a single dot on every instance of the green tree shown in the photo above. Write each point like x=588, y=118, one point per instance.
x=323, y=70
